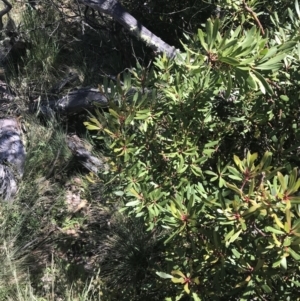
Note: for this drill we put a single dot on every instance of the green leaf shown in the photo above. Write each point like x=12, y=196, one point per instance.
x=251, y=210
x=284, y=97
x=234, y=188
x=92, y=119
x=196, y=297
x=229, y=235
x=259, y=264
x=277, y=221
x=269, y=52
x=294, y=199
x=235, y=236
x=210, y=173
x=283, y=262
x=132, y=203
x=251, y=81
x=276, y=264
x=266, y=160
x=251, y=158
x=179, y=273
x=237, y=161
x=209, y=34
x=201, y=39
x=272, y=64
x=266, y=288
x=119, y=193
x=221, y=183
x=287, y=242
x=178, y=297
x=186, y=288
x=91, y=127
x=210, y=144
x=297, y=283
x=295, y=255
x=235, y=172
x=174, y=233
x=227, y=46
x=177, y=280
x=261, y=86
x=164, y=275
x=236, y=253
x=140, y=214
x=114, y=113
x=229, y=61
x=263, y=82
x=282, y=181
x=287, y=46
x=237, y=31
x=235, y=177
x=292, y=180
x=215, y=31
x=297, y=8
x=181, y=168
x=273, y=230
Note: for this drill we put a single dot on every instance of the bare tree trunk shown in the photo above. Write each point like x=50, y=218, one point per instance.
x=114, y=9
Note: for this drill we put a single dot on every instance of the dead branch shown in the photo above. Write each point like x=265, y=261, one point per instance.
x=114, y=9
x=253, y=14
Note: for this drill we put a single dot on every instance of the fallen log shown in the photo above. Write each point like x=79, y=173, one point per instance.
x=12, y=157
x=74, y=102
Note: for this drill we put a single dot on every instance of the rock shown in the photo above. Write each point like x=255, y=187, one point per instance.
x=12, y=157
x=84, y=156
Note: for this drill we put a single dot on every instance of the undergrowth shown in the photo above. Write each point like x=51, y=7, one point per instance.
x=58, y=235
x=40, y=228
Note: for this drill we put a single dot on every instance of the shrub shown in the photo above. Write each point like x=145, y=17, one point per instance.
x=233, y=229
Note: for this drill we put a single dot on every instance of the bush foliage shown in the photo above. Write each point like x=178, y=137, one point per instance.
x=191, y=148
